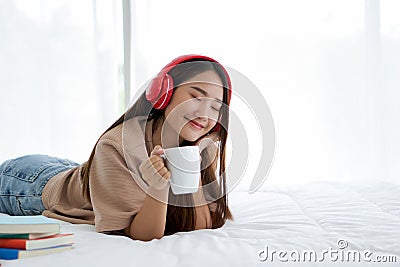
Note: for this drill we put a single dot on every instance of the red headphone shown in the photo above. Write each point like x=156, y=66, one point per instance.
x=161, y=87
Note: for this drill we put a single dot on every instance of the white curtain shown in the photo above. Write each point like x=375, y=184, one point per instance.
x=60, y=75
x=329, y=70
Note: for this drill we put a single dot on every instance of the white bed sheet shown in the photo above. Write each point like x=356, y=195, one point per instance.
x=310, y=217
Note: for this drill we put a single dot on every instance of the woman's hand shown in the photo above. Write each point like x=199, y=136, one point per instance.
x=153, y=170
x=207, y=140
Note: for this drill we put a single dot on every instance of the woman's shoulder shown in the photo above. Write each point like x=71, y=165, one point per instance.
x=127, y=139
x=132, y=130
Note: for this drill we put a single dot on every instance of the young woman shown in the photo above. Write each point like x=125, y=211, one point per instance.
x=123, y=188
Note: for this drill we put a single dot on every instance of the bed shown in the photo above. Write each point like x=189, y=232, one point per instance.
x=289, y=221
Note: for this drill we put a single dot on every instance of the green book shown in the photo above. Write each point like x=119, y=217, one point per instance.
x=27, y=235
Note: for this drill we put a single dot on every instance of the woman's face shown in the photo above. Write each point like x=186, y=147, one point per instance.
x=195, y=105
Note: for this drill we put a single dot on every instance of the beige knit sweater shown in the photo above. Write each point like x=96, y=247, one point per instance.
x=115, y=194
x=117, y=191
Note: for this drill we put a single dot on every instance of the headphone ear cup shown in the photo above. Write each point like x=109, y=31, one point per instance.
x=153, y=90
x=217, y=126
x=167, y=89
x=160, y=91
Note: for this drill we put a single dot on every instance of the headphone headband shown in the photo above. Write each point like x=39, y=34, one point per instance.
x=161, y=87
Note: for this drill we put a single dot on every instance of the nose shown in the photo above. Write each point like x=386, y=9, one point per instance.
x=204, y=110
x=201, y=112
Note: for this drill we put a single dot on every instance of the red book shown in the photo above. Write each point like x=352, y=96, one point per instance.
x=29, y=244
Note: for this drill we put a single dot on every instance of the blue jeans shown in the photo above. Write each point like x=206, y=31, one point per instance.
x=22, y=181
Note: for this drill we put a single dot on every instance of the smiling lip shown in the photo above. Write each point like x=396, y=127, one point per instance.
x=196, y=124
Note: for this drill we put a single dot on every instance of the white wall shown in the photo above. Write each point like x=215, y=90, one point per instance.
x=330, y=83
x=328, y=70
x=58, y=81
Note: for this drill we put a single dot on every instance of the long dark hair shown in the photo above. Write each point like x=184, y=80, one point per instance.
x=182, y=216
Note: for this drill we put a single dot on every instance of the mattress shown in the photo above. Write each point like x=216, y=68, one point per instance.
x=321, y=223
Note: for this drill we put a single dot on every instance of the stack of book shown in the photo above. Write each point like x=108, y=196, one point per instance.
x=27, y=236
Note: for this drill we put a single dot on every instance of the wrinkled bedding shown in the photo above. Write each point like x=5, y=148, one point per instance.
x=315, y=217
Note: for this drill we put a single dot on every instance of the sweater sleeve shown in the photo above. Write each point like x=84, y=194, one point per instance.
x=116, y=197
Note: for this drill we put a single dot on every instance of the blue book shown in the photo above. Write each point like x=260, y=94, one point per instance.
x=13, y=254
x=28, y=224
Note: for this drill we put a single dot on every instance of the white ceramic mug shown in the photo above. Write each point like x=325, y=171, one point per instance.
x=184, y=165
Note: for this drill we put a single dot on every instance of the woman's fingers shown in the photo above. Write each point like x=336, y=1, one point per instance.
x=214, y=136
x=164, y=172
x=207, y=140
x=158, y=165
x=153, y=169
x=157, y=150
x=154, y=161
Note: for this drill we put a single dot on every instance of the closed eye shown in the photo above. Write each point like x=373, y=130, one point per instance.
x=199, y=99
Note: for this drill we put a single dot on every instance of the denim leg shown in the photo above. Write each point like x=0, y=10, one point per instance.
x=22, y=181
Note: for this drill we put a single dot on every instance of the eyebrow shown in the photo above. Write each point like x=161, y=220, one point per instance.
x=203, y=92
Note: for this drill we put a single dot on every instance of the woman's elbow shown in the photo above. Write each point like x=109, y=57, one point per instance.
x=143, y=237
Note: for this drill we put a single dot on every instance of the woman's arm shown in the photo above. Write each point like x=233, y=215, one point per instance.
x=149, y=222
